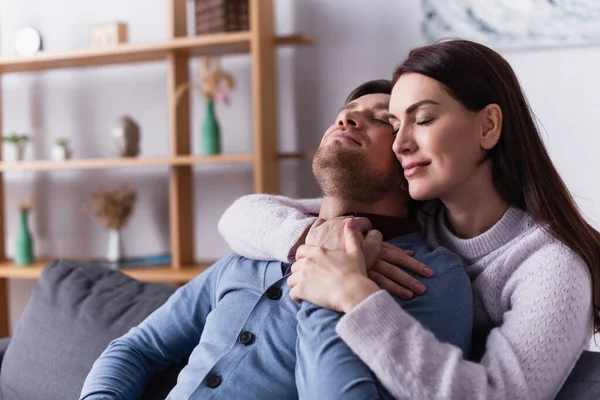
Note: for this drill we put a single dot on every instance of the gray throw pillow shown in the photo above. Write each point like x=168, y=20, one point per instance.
x=75, y=310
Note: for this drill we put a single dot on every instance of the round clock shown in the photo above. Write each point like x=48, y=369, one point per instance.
x=28, y=41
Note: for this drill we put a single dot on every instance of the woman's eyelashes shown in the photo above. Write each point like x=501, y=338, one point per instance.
x=425, y=120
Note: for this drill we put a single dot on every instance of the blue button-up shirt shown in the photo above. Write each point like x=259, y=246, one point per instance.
x=243, y=333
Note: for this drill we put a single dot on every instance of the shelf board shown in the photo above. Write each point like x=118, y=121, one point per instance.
x=110, y=163
x=133, y=162
x=151, y=274
x=210, y=44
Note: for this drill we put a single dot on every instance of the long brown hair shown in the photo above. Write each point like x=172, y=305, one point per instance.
x=522, y=170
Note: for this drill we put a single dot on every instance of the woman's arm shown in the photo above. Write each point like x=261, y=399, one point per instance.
x=528, y=357
x=267, y=227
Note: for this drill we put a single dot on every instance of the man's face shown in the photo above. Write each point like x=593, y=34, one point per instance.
x=355, y=160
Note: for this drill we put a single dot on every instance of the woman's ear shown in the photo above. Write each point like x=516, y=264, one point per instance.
x=491, y=126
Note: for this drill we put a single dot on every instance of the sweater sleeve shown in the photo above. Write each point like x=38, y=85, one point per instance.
x=267, y=227
x=546, y=327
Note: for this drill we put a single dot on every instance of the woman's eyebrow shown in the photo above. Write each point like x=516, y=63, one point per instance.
x=418, y=104
x=414, y=106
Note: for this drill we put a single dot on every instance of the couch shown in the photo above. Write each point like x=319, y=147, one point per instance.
x=77, y=308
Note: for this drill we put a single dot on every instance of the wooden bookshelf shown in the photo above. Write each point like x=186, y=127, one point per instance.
x=260, y=43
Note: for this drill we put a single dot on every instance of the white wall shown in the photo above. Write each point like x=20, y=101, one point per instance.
x=358, y=41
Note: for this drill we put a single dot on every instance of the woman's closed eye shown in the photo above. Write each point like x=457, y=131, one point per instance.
x=425, y=120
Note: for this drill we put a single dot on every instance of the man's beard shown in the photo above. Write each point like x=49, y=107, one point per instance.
x=346, y=173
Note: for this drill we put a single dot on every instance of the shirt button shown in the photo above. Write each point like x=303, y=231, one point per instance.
x=213, y=381
x=274, y=293
x=246, y=338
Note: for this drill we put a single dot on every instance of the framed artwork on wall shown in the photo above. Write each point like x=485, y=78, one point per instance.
x=513, y=24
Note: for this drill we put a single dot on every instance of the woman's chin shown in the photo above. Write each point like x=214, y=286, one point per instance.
x=420, y=192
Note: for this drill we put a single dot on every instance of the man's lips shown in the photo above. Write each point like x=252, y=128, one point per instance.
x=414, y=168
x=345, y=135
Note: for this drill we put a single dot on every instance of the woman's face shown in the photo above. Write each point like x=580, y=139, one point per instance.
x=437, y=138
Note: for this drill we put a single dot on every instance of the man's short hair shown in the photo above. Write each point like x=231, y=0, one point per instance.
x=383, y=86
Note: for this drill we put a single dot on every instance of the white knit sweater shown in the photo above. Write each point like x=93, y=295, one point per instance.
x=530, y=290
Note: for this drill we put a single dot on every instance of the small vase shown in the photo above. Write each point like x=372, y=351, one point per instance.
x=61, y=153
x=211, y=132
x=20, y=152
x=113, y=254
x=15, y=152
x=24, y=251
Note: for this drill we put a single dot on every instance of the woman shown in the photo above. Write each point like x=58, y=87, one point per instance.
x=465, y=135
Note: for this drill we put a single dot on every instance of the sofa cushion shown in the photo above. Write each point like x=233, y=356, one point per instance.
x=584, y=381
x=75, y=310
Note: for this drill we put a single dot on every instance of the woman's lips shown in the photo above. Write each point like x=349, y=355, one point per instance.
x=415, y=169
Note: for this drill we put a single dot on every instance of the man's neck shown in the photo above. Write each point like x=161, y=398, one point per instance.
x=390, y=206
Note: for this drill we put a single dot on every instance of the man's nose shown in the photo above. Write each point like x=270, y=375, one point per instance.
x=349, y=119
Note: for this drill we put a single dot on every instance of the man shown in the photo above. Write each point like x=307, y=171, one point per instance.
x=237, y=320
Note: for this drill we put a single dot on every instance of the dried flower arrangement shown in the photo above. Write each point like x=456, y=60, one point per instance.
x=26, y=205
x=113, y=208
x=216, y=83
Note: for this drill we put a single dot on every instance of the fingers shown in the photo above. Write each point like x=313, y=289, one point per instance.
x=352, y=239
x=398, y=277
x=307, y=250
x=374, y=237
x=362, y=225
x=295, y=294
x=371, y=247
x=398, y=257
x=389, y=286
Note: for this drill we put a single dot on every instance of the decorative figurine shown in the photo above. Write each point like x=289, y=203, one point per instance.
x=125, y=138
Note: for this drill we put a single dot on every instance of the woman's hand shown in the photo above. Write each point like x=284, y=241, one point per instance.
x=329, y=234
x=382, y=259
x=334, y=279
x=396, y=281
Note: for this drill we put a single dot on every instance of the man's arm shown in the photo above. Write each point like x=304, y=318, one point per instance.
x=327, y=368
x=166, y=337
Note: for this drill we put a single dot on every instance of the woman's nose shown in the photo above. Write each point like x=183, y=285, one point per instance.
x=403, y=143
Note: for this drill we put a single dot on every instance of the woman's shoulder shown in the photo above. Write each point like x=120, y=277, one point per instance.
x=541, y=255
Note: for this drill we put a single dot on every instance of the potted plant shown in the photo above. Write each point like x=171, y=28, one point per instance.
x=19, y=141
x=62, y=151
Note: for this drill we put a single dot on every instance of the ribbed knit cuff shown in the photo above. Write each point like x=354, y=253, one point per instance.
x=373, y=321
x=286, y=237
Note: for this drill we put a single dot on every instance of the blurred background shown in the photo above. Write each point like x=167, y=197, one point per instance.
x=355, y=41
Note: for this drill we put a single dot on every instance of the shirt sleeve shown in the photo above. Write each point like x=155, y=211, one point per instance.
x=168, y=336
x=326, y=368
x=267, y=227
x=529, y=356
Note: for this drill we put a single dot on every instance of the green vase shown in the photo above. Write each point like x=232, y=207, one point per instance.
x=24, y=250
x=211, y=133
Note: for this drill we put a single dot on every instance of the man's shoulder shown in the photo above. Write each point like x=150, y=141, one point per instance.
x=440, y=259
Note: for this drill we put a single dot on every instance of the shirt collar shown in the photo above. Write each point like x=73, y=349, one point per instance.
x=390, y=227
